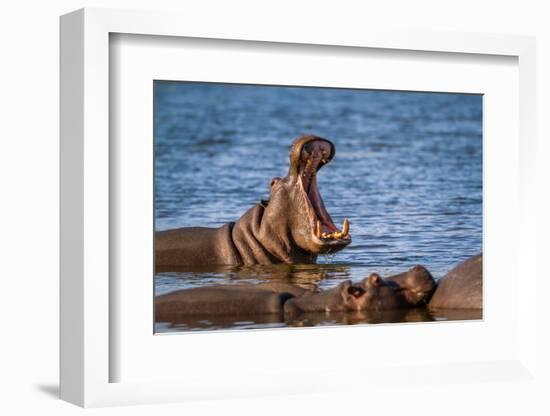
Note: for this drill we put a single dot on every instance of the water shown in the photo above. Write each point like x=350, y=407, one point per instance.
x=407, y=173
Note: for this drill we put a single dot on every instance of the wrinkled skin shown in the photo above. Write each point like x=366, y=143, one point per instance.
x=293, y=226
x=462, y=287
x=225, y=300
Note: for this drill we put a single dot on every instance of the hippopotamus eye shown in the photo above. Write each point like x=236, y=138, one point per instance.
x=356, y=291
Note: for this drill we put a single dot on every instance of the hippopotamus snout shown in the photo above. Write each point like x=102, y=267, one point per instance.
x=417, y=284
x=409, y=289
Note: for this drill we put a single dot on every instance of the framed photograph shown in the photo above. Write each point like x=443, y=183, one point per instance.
x=247, y=214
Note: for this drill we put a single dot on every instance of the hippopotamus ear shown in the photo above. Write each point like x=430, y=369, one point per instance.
x=374, y=280
x=274, y=181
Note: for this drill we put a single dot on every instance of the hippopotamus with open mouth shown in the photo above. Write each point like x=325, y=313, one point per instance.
x=292, y=226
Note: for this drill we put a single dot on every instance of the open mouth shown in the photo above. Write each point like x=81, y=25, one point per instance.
x=315, y=154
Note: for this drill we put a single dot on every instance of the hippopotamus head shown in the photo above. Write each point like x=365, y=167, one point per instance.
x=295, y=209
x=408, y=289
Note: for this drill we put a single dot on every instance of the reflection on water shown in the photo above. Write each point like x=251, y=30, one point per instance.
x=304, y=275
x=456, y=314
x=274, y=320
x=407, y=173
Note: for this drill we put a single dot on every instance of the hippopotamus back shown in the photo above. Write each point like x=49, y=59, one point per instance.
x=219, y=300
x=462, y=287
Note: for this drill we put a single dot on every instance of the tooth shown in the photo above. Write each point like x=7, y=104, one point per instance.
x=345, y=228
x=318, y=229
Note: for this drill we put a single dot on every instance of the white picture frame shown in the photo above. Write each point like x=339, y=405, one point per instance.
x=87, y=302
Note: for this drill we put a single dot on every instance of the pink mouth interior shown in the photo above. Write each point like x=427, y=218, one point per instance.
x=314, y=155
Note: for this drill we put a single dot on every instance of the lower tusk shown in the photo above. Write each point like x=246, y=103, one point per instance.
x=345, y=228
x=335, y=234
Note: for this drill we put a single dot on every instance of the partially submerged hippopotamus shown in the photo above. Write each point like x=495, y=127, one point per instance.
x=409, y=296
x=407, y=290
x=292, y=226
x=462, y=287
